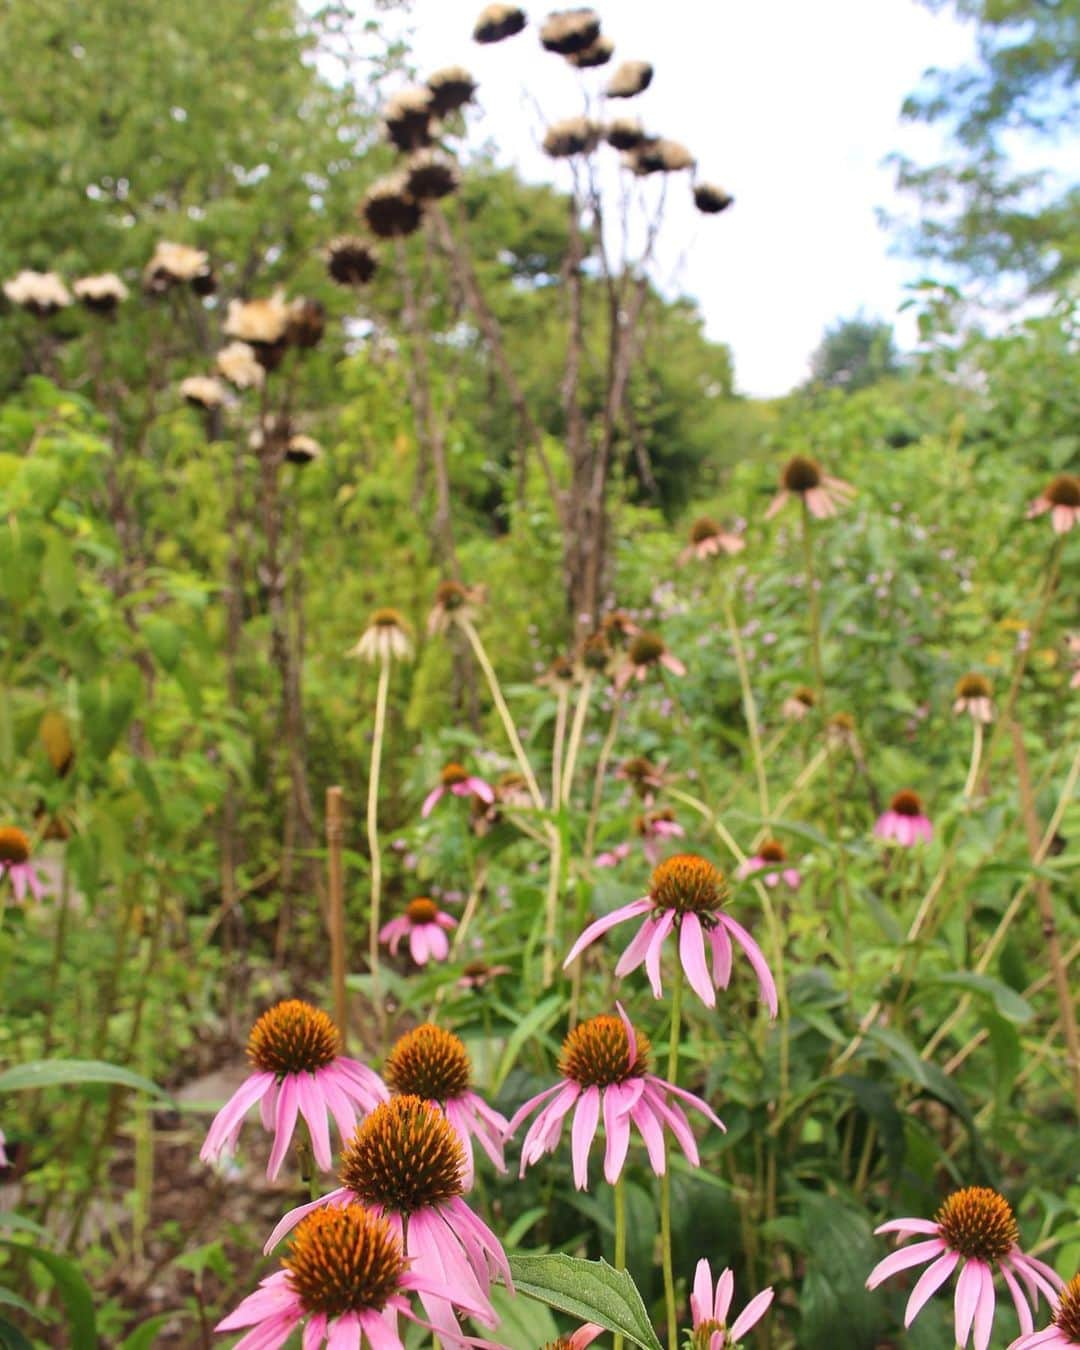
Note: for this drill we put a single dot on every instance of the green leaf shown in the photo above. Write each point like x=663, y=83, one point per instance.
x=590, y=1290
x=9, y=1219
x=10, y=1300
x=58, y=579
x=40, y=1073
x=73, y=1290
x=539, y=1017
x=522, y=1321
x=1007, y=1001
x=143, y=1337
x=835, y=1306
x=11, y=1338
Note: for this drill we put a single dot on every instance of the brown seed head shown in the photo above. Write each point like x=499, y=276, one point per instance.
x=772, y=851
x=842, y=722
x=646, y=649
x=632, y=77
x=703, y=528
x=646, y=824
x=431, y=175
x=800, y=474
x=978, y=1223
x=498, y=21
x=571, y=30
x=350, y=261
x=617, y=626
x=598, y=53
x=688, y=883
x=907, y=803
x=624, y=133
x=293, y=1037
x=596, y=652
x=711, y=199
x=404, y=1156
x=429, y=1062
x=805, y=695
x=451, y=88
x=387, y=618
x=344, y=1259
x=451, y=595
x=1067, y=1314
x=1064, y=490
x=973, y=686
x=388, y=209
x=421, y=910
x=597, y=1053
x=14, y=844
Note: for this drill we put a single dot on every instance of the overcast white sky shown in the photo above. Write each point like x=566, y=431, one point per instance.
x=791, y=104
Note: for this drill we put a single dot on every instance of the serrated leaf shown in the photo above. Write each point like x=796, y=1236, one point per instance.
x=41, y=1073
x=592, y=1291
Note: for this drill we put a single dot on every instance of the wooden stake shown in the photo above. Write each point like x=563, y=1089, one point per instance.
x=335, y=829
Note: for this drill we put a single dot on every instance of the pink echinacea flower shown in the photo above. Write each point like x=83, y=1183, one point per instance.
x=425, y=925
x=804, y=478
x=711, y=1331
x=905, y=820
x=457, y=779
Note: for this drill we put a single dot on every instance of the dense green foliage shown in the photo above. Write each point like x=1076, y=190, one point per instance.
x=179, y=604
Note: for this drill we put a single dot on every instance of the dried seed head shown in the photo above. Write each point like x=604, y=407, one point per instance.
x=431, y=175
x=640, y=772
x=238, y=364
x=178, y=264
x=805, y=695
x=350, y=261
x=711, y=199
x=301, y=449
x=390, y=212
x=661, y=155
x=632, y=77
x=646, y=649
x=496, y=22
x=262, y=324
x=617, y=626
x=429, y=1062
x=598, y=53
x=688, y=883
x=907, y=803
x=624, y=133
x=572, y=136
x=1067, y=1314
x=306, y=322
x=1064, y=490
x=978, y=1223
x=561, y=671
x=344, y=1259
x=772, y=850
x=293, y=1037
x=102, y=293
x=41, y=293
x=570, y=30
x=404, y=1156
x=973, y=686
x=451, y=595
x=800, y=474
x=450, y=88
x=388, y=618
x=596, y=652
x=407, y=118
x=14, y=844
x=203, y=391
x=597, y=1053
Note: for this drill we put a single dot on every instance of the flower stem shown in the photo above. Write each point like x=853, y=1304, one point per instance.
x=577, y=727
x=665, y=1180
x=512, y=736
x=601, y=771
x=562, y=698
x=620, y=1236
x=749, y=707
x=976, y=760
x=819, y=680
x=373, y=839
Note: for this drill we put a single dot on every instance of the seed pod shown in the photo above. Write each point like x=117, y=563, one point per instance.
x=632, y=77
x=570, y=30
x=497, y=22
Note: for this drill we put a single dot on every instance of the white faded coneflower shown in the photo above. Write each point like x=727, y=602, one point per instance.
x=40, y=293
x=237, y=364
x=387, y=635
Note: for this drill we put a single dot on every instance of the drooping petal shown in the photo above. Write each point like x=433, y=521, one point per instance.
x=917, y=1254
x=313, y=1108
x=431, y=800
x=586, y=1118
x=721, y=956
x=1020, y=1303
x=284, y=1124
x=692, y=956
x=928, y=1283
x=617, y=1129
x=984, y=1310
x=766, y=983
x=652, y=1132
x=606, y=921
x=229, y=1118
x=663, y=927
x=637, y=950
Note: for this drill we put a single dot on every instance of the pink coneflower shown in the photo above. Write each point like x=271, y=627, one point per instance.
x=770, y=858
x=432, y=1063
x=298, y=1070
x=612, y=857
x=406, y=1162
x=822, y=493
x=709, y=540
x=973, y=697
x=687, y=894
x=15, y=863
x=974, y=1226
x=798, y=704
x=604, y=1072
x=578, y=1340
x=905, y=820
x=457, y=779
x=645, y=652
x=711, y=1331
x=652, y=828
x=643, y=776
x=345, y=1280
x=1064, y=1331
x=1062, y=499
x=425, y=925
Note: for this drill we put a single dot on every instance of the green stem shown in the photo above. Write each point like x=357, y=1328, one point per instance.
x=749, y=707
x=373, y=840
x=577, y=727
x=819, y=679
x=665, y=1180
x=620, y=1236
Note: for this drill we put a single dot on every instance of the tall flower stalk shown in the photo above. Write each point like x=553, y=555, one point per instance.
x=749, y=706
x=666, y=1254
x=374, y=850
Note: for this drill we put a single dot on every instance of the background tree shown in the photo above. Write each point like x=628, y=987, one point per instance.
x=855, y=353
